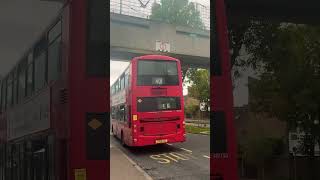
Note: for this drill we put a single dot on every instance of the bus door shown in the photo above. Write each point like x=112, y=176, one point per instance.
x=12, y=162
x=2, y=161
x=42, y=163
x=39, y=171
x=15, y=161
x=22, y=164
x=8, y=162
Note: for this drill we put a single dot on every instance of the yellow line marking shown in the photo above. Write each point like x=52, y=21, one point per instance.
x=186, y=150
x=160, y=160
x=169, y=157
x=206, y=156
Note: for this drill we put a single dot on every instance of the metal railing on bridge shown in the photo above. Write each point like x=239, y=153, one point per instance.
x=142, y=9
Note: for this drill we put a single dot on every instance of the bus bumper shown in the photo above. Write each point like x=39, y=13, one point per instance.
x=152, y=140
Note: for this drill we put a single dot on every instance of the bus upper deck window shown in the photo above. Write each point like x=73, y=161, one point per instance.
x=157, y=72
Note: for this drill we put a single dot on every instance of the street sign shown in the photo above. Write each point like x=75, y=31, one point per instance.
x=203, y=106
x=162, y=46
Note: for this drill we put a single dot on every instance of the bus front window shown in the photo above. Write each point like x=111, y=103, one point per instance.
x=157, y=73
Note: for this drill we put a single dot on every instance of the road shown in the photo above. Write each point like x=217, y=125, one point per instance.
x=188, y=160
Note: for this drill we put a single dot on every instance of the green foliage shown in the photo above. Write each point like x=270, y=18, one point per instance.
x=258, y=150
x=290, y=79
x=200, y=84
x=287, y=57
x=197, y=130
x=178, y=12
x=191, y=110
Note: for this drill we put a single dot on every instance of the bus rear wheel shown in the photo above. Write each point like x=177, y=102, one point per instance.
x=112, y=131
x=122, y=140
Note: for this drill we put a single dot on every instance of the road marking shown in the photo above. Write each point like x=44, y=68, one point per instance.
x=160, y=160
x=169, y=144
x=171, y=158
x=189, y=151
x=206, y=156
x=167, y=158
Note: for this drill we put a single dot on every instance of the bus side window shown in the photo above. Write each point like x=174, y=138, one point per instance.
x=112, y=90
x=117, y=113
x=122, y=82
x=112, y=112
x=54, y=62
x=128, y=115
x=117, y=86
x=30, y=74
x=0, y=97
x=122, y=113
x=3, y=95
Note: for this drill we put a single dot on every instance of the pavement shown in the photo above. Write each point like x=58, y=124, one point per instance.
x=188, y=160
x=123, y=168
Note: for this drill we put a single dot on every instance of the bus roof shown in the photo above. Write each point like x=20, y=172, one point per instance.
x=155, y=57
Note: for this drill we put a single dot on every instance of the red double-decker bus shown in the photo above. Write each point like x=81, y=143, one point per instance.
x=147, y=102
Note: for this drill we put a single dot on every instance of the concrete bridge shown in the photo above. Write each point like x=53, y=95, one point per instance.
x=132, y=36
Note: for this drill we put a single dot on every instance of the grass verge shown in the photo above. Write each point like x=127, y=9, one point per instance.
x=197, y=130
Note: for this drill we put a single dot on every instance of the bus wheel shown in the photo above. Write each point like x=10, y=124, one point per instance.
x=122, y=140
x=112, y=131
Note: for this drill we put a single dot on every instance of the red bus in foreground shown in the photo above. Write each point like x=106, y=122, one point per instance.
x=147, y=102
x=53, y=117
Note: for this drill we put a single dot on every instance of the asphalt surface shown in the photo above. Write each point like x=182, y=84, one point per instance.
x=188, y=160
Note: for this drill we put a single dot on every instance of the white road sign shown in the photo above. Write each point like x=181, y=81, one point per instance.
x=203, y=106
x=162, y=46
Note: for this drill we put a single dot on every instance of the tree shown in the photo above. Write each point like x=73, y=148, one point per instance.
x=191, y=107
x=289, y=83
x=178, y=12
x=248, y=37
x=200, y=84
x=259, y=150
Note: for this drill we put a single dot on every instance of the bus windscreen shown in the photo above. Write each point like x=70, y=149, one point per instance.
x=151, y=104
x=157, y=73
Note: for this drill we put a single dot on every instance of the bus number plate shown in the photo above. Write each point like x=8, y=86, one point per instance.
x=161, y=141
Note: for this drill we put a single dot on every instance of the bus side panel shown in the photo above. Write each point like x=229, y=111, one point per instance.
x=223, y=152
x=59, y=103
x=88, y=97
